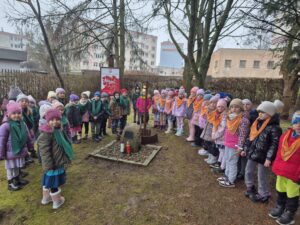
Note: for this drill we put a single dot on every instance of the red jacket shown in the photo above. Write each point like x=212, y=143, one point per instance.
x=290, y=168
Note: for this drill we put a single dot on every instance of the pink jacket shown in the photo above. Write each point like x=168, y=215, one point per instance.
x=169, y=106
x=140, y=104
x=178, y=112
x=231, y=140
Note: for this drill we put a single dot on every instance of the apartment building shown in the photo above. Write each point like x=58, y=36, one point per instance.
x=252, y=63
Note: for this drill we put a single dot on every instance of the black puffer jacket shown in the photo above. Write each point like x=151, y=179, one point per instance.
x=265, y=145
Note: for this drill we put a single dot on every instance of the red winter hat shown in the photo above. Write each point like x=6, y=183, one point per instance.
x=123, y=90
x=52, y=113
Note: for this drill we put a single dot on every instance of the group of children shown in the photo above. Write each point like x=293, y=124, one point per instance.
x=236, y=138
x=238, y=142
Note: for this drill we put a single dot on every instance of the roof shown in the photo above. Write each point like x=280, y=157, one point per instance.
x=241, y=49
x=13, y=55
x=9, y=34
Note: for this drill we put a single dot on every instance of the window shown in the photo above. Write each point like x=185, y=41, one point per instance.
x=152, y=63
x=270, y=65
x=95, y=64
x=12, y=45
x=146, y=54
x=85, y=63
x=153, y=48
x=227, y=63
x=242, y=63
x=153, y=56
x=256, y=64
x=216, y=63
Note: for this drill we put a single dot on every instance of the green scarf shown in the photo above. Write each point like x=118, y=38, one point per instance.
x=96, y=106
x=64, y=120
x=19, y=136
x=63, y=142
x=124, y=102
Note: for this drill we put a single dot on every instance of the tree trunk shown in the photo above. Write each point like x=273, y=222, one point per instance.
x=187, y=77
x=288, y=97
x=122, y=41
x=116, y=32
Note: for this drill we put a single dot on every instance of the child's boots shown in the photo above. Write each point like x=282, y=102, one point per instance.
x=57, y=199
x=170, y=127
x=13, y=185
x=46, y=196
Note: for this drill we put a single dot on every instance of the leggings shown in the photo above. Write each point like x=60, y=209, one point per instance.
x=86, y=127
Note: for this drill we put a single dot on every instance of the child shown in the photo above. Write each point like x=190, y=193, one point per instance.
x=155, y=100
x=195, y=119
x=15, y=141
x=219, y=126
x=178, y=111
x=64, y=120
x=61, y=95
x=116, y=114
x=56, y=152
x=106, y=113
x=206, y=134
x=260, y=149
x=74, y=117
x=287, y=169
x=84, y=105
x=237, y=128
x=203, y=119
x=189, y=114
x=124, y=100
x=51, y=97
x=168, y=111
x=35, y=115
x=143, y=103
x=134, y=98
x=28, y=119
x=96, y=112
x=161, y=109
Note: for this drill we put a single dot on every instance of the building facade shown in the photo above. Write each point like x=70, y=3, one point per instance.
x=140, y=54
x=169, y=56
x=13, y=41
x=252, y=63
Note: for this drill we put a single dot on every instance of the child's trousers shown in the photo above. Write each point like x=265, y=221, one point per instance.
x=95, y=126
x=12, y=173
x=262, y=177
x=231, y=160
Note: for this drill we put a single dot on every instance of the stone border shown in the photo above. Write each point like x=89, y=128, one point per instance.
x=145, y=163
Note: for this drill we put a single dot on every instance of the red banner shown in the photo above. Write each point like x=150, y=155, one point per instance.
x=110, y=81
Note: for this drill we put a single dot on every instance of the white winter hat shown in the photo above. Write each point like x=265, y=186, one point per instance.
x=279, y=105
x=267, y=107
x=87, y=93
x=22, y=96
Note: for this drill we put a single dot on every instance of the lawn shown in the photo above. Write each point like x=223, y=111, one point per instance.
x=176, y=188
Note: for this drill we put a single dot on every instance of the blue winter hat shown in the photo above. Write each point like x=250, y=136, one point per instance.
x=98, y=94
x=207, y=97
x=74, y=97
x=207, y=92
x=296, y=118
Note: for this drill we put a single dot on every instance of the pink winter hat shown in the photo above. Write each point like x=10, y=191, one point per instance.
x=13, y=107
x=51, y=114
x=57, y=104
x=222, y=102
x=194, y=90
x=215, y=99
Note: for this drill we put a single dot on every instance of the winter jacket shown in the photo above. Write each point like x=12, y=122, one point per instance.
x=73, y=114
x=6, y=151
x=125, y=108
x=265, y=145
x=290, y=168
x=106, y=109
x=179, y=112
x=168, y=106
x=207, y=132
x=140, y=104
x=239, y=138
x=134, y=97
x=52, y=155
x=116, y=109
x=98, y=114
x=251, y=116
x=219, y=132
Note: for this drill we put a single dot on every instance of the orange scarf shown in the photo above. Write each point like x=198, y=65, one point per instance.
x=197, y=104
x=179, y=102
x=286, y=150
x=254, y=132
x=162, y=102
x=215, y=118
x=204, y=110
x=232, y=125
x=190, y=101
